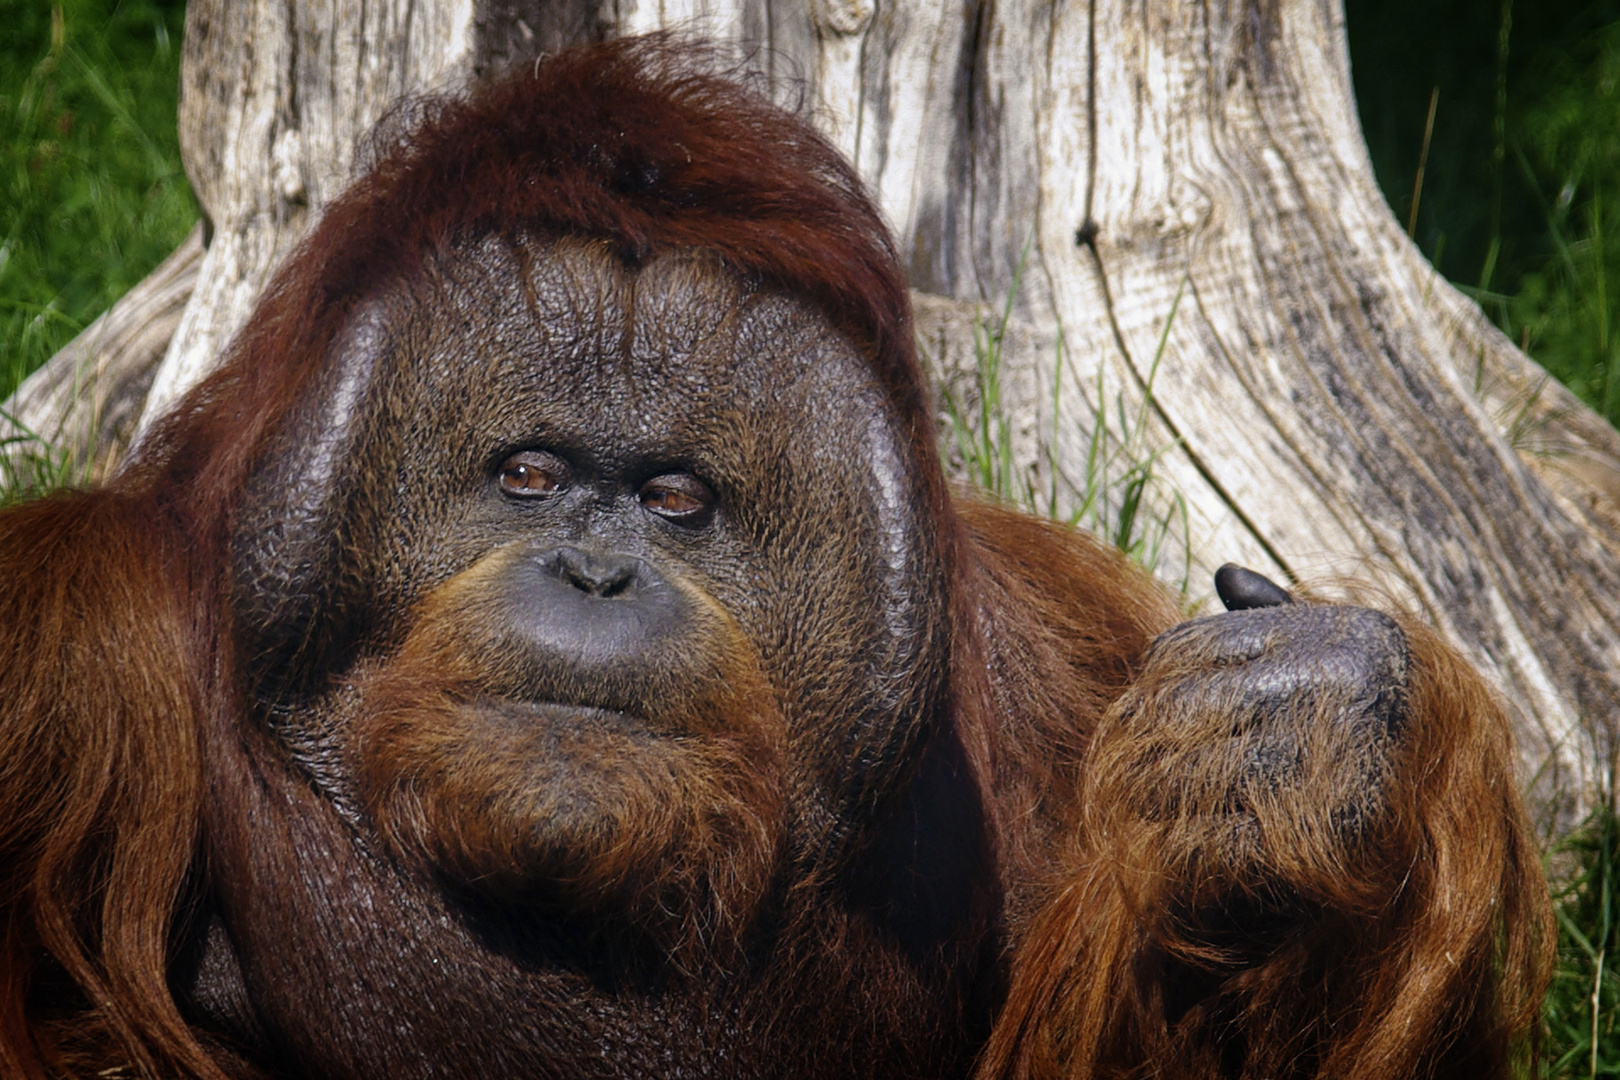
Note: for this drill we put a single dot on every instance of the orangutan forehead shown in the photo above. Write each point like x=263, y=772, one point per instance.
x=576, y=303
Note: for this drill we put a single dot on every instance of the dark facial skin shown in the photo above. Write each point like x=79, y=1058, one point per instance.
x=575, y=403
x=586, y=516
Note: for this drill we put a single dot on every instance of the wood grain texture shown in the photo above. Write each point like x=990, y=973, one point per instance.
x=1330, y=408
x=275, y=101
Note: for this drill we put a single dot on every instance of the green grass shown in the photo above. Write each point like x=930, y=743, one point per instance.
x=92, y=195
x=1119, y=495
x=1581, y=1036
x=1564, y=311
x=1519, y=200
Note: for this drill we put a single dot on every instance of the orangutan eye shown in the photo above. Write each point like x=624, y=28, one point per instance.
x=678, y=496
x=532, y=474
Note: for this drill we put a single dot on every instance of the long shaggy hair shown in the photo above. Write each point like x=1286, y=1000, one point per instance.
x=1119, y=917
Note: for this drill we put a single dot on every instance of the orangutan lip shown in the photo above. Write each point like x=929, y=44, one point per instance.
x=565, y=716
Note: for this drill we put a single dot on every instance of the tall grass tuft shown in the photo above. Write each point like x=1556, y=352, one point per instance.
x=31, y=465
x=1494, y=128
x=1118, y=495
x=1566, y=312
x=1581, y=1033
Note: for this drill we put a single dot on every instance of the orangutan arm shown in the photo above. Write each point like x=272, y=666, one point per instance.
x=1300, y=852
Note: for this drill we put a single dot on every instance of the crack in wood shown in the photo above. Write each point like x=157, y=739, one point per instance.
x=1086, y=237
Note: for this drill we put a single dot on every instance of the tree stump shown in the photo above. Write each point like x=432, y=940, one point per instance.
x=1161, y=222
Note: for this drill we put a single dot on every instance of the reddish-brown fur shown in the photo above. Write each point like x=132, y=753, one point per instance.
x=426, y=759
x=1424, y=949
x=1424, y=954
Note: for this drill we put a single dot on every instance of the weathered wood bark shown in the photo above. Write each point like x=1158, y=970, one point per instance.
x=1325, y=406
